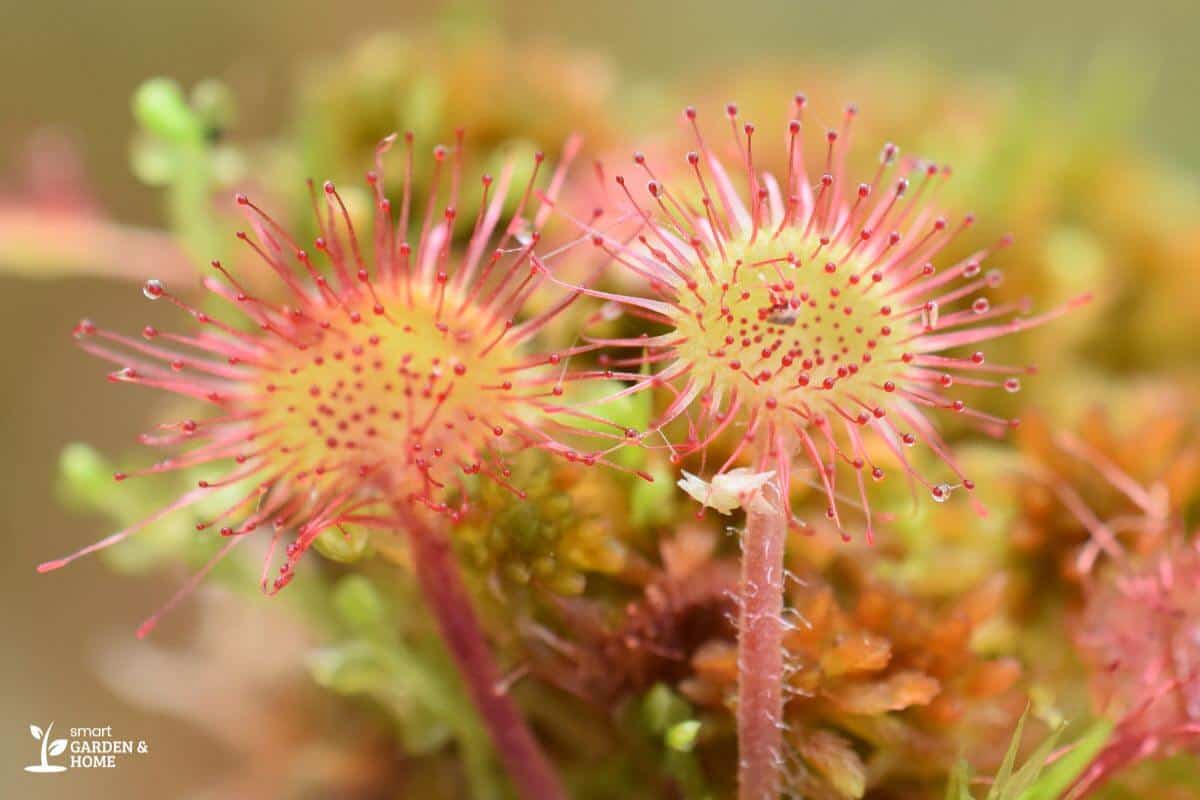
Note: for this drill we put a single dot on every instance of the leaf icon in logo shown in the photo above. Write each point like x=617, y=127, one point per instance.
x=57, y=747
x=36, y=731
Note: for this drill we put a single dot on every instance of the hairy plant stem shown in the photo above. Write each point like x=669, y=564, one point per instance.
x=448, y=599
x=760, y=647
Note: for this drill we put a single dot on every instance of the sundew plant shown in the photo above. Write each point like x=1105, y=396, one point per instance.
x=581, y=447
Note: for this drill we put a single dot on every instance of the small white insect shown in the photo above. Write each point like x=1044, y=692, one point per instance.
x=727, y=491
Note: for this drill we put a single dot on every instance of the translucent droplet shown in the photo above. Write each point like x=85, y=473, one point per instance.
x=941, y=492
x=153, y=289
x=1012, y=385
x=929, y=315
x=523, y=232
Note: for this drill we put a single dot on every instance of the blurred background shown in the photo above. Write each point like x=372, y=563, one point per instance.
x=70, y=68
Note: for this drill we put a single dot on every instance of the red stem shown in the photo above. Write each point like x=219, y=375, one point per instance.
x=760, y=648
x=447, y=597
